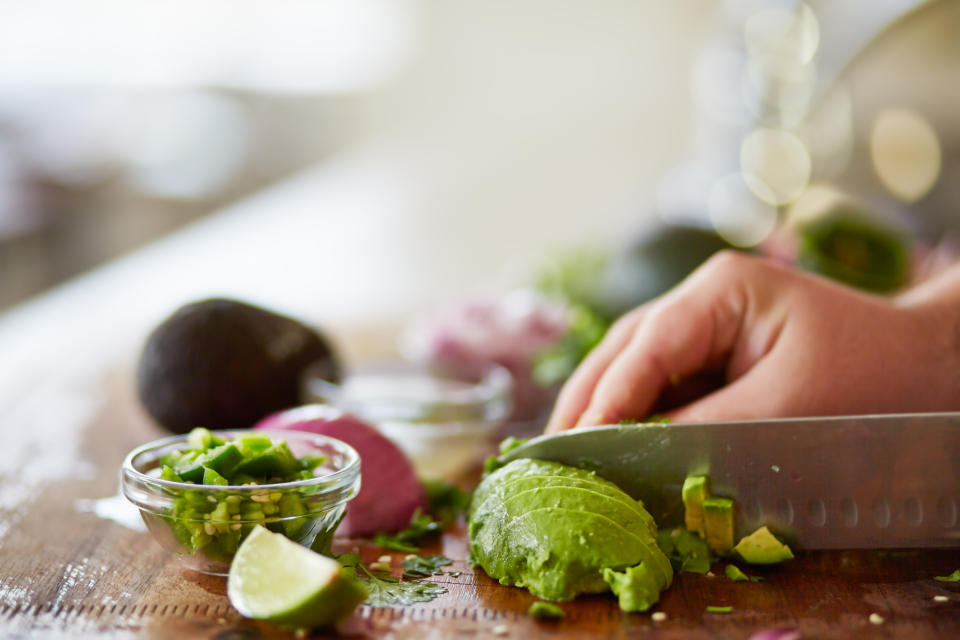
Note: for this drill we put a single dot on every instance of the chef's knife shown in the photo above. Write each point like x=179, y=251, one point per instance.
x=878, y=481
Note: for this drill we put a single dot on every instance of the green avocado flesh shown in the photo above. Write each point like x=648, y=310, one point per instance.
x=560, y=531
x=761, y=547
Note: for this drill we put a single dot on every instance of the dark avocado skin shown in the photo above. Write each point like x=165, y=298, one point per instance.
x=221, y=363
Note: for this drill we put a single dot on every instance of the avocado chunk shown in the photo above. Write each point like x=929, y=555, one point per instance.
x=695, y=490
x=762, y=547
x=635, y=587
x=718, y=521
x=554, y=529
x=226, y=364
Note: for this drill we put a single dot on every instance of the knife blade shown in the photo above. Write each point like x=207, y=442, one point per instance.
x=871, y=481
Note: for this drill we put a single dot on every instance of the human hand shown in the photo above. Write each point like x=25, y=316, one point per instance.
x=787, y=344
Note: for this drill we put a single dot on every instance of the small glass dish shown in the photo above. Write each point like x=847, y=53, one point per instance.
x=444, y=420
x=204, y=524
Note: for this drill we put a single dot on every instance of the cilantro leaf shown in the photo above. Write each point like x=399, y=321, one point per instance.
x=446, y=501
x=425, y=566
x=687, y=551
x=421, y=527
x=384, y=590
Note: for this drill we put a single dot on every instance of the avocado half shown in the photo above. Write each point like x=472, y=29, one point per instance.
x=221, y=363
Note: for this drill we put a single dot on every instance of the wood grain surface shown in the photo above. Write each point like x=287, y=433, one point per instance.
x=65, y=572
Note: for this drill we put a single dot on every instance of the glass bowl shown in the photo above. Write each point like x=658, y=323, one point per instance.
x=204, y=524
x=445, y=421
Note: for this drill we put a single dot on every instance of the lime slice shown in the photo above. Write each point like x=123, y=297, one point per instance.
x=273, y=578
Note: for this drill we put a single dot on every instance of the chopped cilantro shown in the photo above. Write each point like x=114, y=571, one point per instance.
x=421, y=527
x=385, y=591
x=541, y=610
x=425, y=566
x=446, y=500
x=953, y=577
x=554, y=364
x=713, y=609
x=687, y=551
x=348, y=559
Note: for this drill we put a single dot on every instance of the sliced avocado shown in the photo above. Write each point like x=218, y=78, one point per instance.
x=718, y=521
x=553, y=529
x=695, y=490
x=604, y=488
x=761, y=547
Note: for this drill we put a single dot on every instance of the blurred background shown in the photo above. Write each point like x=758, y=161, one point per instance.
x=357, y=161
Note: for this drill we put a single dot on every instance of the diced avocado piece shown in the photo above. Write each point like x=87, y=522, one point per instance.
x=276, y=460
x=734, y=573
x=718, y=522
x=212, y=477
x=695, y=490
x=762, y=547
x=636, y=587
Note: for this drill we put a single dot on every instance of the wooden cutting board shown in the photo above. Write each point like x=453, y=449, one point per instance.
x=65, y=572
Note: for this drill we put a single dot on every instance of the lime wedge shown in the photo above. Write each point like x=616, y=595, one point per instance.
x=273, y=578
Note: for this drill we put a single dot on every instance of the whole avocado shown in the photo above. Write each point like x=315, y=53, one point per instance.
x=221, y=363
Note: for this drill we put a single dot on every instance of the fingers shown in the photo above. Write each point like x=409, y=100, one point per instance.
x=755, y=395
x=680, y=338
x=691, y=330
x=576, y=392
